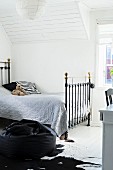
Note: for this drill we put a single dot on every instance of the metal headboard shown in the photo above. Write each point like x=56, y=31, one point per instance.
x=5, y=67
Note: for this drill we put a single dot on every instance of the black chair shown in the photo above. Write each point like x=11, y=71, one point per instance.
x=109, y=94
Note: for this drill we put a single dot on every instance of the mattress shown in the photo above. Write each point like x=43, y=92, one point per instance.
x=44, y=108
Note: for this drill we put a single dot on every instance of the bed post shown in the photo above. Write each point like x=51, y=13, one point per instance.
x=66, y=78
x=89, y=114
x=8, y=70
x=66, y=84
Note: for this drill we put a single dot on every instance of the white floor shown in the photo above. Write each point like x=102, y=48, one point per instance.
x=87, y=145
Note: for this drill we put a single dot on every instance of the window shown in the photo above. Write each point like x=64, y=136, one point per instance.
x=105, y=49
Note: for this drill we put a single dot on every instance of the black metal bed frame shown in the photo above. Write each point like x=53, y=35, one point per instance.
x=77, y=97
x=6, y=68
x=77, y=101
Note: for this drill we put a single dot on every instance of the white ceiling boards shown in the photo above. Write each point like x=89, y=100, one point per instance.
x=61, y=19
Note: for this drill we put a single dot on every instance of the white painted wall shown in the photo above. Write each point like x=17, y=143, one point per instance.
x=5, y=45
x=5, y=48
x=45, y=63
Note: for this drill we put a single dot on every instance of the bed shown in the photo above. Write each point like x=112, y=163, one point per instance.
x=49, y=109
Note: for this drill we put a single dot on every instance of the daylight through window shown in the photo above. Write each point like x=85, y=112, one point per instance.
x=105, y=34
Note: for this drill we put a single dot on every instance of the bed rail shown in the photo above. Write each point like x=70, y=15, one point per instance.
x=78, y=101
x=5, y=71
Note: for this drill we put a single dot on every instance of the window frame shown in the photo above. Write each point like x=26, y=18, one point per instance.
x=100, y=61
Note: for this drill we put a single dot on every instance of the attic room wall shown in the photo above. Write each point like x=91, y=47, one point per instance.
x=45, y=63
x=5, y=45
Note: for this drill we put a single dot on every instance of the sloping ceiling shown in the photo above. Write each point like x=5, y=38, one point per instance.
x=62, y=19
x=98, y=4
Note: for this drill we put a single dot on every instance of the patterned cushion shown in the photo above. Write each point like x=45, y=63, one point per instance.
x=29, y=87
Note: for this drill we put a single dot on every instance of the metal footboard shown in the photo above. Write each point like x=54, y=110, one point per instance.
x=77, y=101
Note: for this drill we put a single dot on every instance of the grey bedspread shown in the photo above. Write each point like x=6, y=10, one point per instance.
x=43, y=108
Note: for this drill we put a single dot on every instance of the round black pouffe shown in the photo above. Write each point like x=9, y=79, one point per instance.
x=27, y=139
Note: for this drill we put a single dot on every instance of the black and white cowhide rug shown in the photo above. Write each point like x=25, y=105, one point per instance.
x=67, y=156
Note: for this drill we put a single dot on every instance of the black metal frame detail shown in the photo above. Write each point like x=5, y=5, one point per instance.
x=5, y=66
x=77, y=101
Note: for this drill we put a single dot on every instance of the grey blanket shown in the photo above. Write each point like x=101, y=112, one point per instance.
x=43, y=108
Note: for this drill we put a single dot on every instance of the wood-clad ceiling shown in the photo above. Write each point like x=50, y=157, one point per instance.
x=61, y=20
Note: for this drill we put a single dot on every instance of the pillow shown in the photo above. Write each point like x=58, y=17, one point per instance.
x=30, y=88
x=10, y=86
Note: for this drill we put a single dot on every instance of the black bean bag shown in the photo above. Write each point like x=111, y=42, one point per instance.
x=27, y=139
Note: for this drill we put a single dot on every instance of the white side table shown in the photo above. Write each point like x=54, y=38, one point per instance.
x=106, y=115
